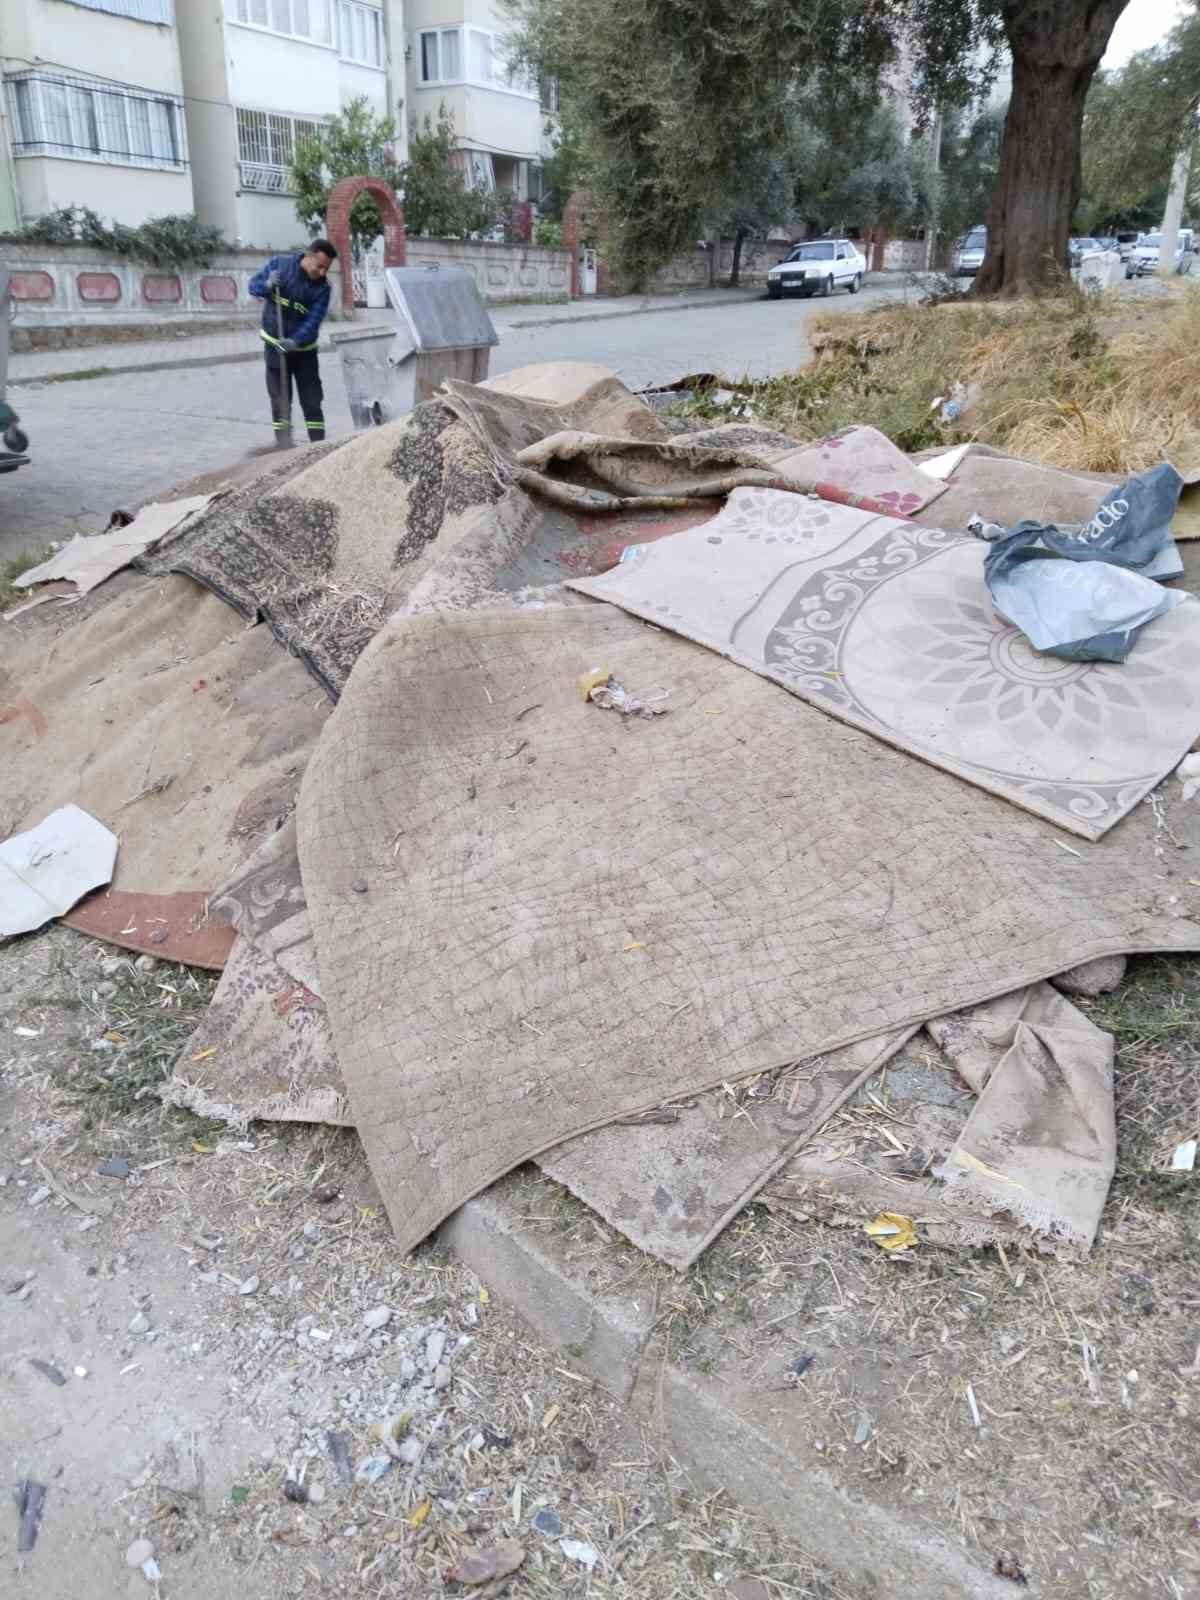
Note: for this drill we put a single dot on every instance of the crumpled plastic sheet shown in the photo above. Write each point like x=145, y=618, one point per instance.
x=1085, y=592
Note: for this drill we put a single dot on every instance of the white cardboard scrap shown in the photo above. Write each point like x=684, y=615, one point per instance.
x=45, y=871
x=942, y=466
x=90, y=558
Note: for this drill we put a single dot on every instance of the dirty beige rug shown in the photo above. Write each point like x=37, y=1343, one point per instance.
x=153, y=707
x=889, y=627
x=533, y=918
x=332, y=541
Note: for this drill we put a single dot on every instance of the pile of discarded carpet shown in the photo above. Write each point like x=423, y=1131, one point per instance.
x=672, y=787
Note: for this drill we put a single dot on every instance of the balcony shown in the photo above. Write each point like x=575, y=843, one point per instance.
x=263, y=178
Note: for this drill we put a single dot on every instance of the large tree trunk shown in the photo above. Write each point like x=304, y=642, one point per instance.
x=735, y=270
x=1056, y=47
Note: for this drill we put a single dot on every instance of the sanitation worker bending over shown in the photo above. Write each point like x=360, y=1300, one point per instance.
x=297, y=298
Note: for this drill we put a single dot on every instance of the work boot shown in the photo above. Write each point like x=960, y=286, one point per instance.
x=281, y=441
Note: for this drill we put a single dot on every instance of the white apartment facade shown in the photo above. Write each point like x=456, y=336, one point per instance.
x=260, y=73
x=93, y=109
x=457, y=56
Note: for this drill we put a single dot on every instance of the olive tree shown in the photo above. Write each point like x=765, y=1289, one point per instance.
x=670, y=99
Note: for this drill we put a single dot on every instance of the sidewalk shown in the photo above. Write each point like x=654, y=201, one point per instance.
x=208, y=350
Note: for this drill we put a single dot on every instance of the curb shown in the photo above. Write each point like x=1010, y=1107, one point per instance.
x=885, y=1553
x=86, y=374
x=735, y=297
x=179, y=363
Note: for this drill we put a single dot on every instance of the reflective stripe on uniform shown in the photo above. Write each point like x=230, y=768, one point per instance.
x=300, y=348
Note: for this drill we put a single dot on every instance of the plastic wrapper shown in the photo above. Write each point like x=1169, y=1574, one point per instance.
x=1084, y=592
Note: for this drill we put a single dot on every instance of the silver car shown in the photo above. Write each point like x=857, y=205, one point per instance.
x=969, y=253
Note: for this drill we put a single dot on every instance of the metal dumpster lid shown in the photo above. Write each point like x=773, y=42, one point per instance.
x=441, y=306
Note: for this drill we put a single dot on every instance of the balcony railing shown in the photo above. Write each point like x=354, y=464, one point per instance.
x=263, y=178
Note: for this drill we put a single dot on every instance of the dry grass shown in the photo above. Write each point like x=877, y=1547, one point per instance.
x=1100, y=383
x=9, y=593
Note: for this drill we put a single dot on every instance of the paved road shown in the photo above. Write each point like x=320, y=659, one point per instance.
x=105, y=442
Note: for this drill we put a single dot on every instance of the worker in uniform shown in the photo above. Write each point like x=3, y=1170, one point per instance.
x=296, y=296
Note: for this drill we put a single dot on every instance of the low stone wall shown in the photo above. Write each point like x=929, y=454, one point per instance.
x=904, y=255
x=694, y=269
x=67, y=296
x=73, y=295
x=505, y=273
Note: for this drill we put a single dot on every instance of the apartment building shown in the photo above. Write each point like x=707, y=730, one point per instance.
x=457, y=56
x=260, y=73
x=93, y=109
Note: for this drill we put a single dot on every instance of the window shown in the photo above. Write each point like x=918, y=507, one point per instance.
x=813, y=252
x=441, y=56
x=301, y=19
x=487, y=57
x=162, y=11
x=90, y=121
x=266, y=144
x=361, y=33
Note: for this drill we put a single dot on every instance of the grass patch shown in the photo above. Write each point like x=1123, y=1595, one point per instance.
x=9, y=593
x=1092, y=382
x=150, y=1019
x=78, y=376
x=1155, y=1019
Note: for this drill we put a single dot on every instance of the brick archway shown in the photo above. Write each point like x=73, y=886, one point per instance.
x=575, y=212
x=337, y=227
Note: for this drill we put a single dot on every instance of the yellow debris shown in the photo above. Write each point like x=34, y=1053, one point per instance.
x=891, y=1231
x=592, y=680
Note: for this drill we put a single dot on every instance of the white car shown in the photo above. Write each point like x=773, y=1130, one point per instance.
x=1143, y=260
x=818, y=266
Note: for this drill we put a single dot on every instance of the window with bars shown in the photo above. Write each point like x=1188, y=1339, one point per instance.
x=266, y=144
x=87, y=121
x=301, y=19
x=360, y=33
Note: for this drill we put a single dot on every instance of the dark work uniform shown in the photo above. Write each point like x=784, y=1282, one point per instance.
x=302, y=305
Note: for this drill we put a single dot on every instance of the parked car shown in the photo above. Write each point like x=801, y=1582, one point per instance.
x=1081, y=247
x=818, y=266
x=969, y=253
x=1143, y=260
x=14, y=439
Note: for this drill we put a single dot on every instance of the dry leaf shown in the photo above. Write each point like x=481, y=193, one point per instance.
x=419, y=1515
x=891, y=1231
x=482, y=1565
x=202, y=1149
x=551, y=1414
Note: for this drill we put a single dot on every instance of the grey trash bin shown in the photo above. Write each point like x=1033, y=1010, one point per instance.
x=442, y=330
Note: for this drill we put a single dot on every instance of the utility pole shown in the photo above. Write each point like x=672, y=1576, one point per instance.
x=931, y=222
x=1173, y=215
